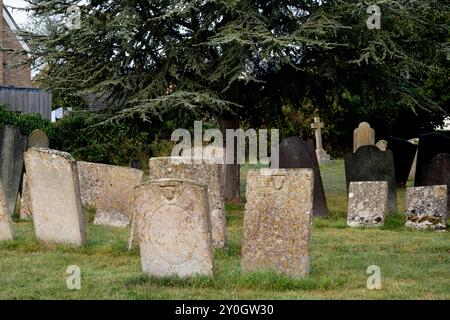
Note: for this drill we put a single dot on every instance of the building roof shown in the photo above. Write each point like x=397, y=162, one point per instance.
x=15, y=28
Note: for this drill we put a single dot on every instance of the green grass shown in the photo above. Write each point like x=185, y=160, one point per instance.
x=414, y=264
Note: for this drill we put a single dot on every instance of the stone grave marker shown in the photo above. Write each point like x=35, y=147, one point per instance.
x=367, y=203
x=174, y=228
x=322, y=155
x=108, y=189
x=404, y=153
x=12, y=146
x=38, y=139
x=412, y=173
x=208, y=174
x=369, y=163
x=437, y=172
x=382, y=145
x=55, y=196
x=6, y=224
x=426, y=208
x=25, y=205
x=277, y=221
x=363, y=135
x=297, y=153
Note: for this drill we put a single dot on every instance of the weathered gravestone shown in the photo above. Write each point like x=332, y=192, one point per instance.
x=367, y=203
x=382, y=145
x=369, y=163
x=55, y=196
x=437, y=172
x=12, y=146
x=363, y=135
x=108, y=189
x=297, y=153
x=208, y=174
x=404, y=154
x=37, y=139
x=6, y=225
x=426, y=208
x=412, y=173
x=174, y=228
x=277, y=221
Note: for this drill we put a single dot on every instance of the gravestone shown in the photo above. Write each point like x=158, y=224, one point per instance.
x=136, y=164
x=437, y=172
x=431, y=144
x=208, y=174
x=38, y=139
x=367, y=203
x=382, y=145
x=6, y=224
x=363, y=135
x=404, y=153
x=174, y=228
x=322, y=155
x=108, y=189
x=426, y=208
x=25, y=205
x=12, y=146
x=369, y=163
x=297, y=153
x=277, y=221
x=55, y=196
x=412, y=173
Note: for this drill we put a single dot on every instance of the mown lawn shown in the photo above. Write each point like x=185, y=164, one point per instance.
x=414, y=264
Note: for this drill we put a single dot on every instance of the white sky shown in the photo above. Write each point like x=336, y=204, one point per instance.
x=19, y=16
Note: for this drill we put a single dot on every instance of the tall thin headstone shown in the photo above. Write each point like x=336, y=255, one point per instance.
x=363, y=135
x=322, y=155
x=6, y=224
x=12, y=146
x=412, y=173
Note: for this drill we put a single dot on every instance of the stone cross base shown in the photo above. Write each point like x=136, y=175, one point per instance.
x=322, y=156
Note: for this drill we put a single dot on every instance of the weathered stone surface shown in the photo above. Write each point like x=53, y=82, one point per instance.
x=108, y=189
x=297, y=153
x=38, y=139
x=404, y=153
x=6, y=224
x=412, y=173
x=437, y=172
x=174, y=228
x=426, y=208
x=369, y=163
x=25, y=205
x=12, y=146
x=367, y=203
x=277, y=221
x=55, y=196
x=382, y=145
x=363, y=135
x=208, y=174
x=431, y=145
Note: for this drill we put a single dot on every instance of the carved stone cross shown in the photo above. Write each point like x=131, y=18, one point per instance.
x=322, y=155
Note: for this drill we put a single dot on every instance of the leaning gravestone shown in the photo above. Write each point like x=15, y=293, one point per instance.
x=369, y=163
x=12, y=146
x=6, y=225
x=277, y=221
x=55, y=196
x=427, y=208
x=37, y=139
x=209, y=174
x=363, y=135
x=297, y=153
x=367, y=203
x=437, y=172
x=174, y=228
x=404, y=153
x=108, y=189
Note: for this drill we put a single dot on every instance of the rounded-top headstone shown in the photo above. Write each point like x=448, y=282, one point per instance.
x=38, y=139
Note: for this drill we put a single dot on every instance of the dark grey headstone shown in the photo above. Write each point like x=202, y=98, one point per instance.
x=12, y=146
x=369, y=163
x=437, y=172
x=430, y=145
x=404, y=154
x=297, y=153
x=38, y=139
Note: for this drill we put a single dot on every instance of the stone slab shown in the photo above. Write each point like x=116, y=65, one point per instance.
x=404, y=154
x=437, y=172
x=25, y=205
x=6, y=224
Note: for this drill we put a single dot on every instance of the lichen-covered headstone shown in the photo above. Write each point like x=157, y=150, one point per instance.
x=55, y=196
x=108, y=189
x=426, y=208
x=363, y=135
x=277, y=221
x=6, y=225
x=209, y=174
x=12, y=146
x=367, y=203
x=174, y=228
